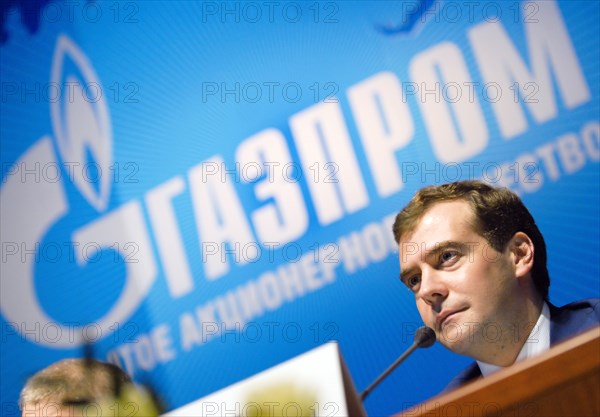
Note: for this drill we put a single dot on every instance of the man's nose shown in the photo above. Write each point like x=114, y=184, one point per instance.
x=433, y=288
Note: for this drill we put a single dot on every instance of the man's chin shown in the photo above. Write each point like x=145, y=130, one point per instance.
x=456, y=339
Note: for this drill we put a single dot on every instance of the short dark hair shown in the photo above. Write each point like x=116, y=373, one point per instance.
x=499, y=214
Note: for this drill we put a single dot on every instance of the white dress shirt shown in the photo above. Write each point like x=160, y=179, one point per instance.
x=537, y=343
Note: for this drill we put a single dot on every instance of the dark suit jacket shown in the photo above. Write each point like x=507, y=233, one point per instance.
x=565, y=322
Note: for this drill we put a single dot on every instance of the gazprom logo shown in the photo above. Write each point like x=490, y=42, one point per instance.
x=81, y=126
x=82, y=134
x=414, y=14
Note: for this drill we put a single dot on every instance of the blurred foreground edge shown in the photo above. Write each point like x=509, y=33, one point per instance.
x=316, y=382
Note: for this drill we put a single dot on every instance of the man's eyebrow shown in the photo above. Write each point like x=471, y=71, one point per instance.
x=404, y=274
x=442, y=246
x=437, y=248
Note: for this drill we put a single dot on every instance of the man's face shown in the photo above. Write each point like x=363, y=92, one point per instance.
x=465, y=290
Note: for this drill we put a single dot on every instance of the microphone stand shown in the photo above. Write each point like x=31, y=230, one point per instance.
x=424, y=337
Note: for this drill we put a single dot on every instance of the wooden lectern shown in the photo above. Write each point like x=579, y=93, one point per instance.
x=565, y=381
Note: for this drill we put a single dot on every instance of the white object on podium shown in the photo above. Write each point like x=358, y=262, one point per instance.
x=320, y=372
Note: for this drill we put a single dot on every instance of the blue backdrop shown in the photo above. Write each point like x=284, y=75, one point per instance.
x=205, y=190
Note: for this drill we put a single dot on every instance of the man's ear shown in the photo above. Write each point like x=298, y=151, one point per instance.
x=523, y=252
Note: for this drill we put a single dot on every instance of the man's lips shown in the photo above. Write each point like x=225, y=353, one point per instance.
x=445, y=315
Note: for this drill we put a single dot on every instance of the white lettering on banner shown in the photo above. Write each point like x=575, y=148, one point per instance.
x=526, y=169
x=286, y=219
x=226, y=229
x=571, y=153
x=561, y=156
x=220, y=218
x=168, y=237
x=322, y=140
x=355, y=251
x=374, y=238
x=590, y=133
x=385, y=126
x=146, y=352
x=292, y=280
x=457, y=129
x=237, y=310
x=550, y=51
x=353, y=255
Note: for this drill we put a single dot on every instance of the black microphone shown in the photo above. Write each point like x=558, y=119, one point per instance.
x=424, y=338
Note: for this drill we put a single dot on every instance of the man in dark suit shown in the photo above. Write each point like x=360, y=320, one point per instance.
x=476, y=262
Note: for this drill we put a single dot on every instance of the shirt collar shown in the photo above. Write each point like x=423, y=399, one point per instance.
x=537, y=342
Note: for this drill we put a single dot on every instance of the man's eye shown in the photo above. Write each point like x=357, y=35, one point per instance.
x=448, y=256
x=413, y=281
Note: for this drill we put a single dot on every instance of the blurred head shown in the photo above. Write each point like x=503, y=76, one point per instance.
x=61, y=388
